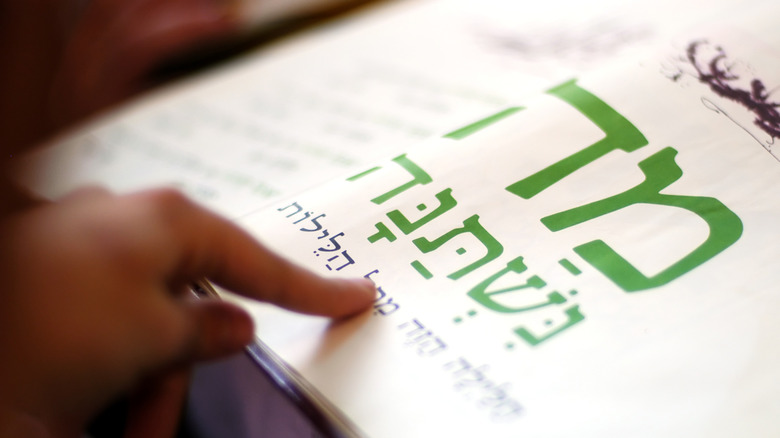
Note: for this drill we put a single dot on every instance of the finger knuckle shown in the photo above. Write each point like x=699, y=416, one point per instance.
x=169, y=206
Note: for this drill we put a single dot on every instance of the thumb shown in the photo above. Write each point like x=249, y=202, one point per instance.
x=221, y=329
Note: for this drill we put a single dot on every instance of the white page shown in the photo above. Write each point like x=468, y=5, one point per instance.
x=359, y=92
x=295, y=114
x=695, y=355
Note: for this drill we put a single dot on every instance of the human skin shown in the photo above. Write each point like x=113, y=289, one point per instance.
x=94, y=303
x=95, y=300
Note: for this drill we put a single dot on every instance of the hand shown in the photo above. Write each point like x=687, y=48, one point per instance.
x=95, y=300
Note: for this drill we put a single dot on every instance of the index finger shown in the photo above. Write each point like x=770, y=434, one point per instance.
x=204, y=244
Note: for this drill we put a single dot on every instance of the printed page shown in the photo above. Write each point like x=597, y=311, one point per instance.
x=358, y=90
x=599, y=260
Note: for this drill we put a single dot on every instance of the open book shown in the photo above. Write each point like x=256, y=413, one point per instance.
x=570, y=212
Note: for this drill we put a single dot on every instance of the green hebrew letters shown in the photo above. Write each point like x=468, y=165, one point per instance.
x=382, y=233
x=477, y=126
x=363, y=173
x=481, y=294
x=419, y=177
x=446, y=203
x=660, y=171
x=473, y=227
x=573, y=316
x=619, y=134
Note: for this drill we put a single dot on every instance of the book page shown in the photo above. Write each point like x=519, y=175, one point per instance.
x=589, y=251
x=598, y=260
x=358, y=90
